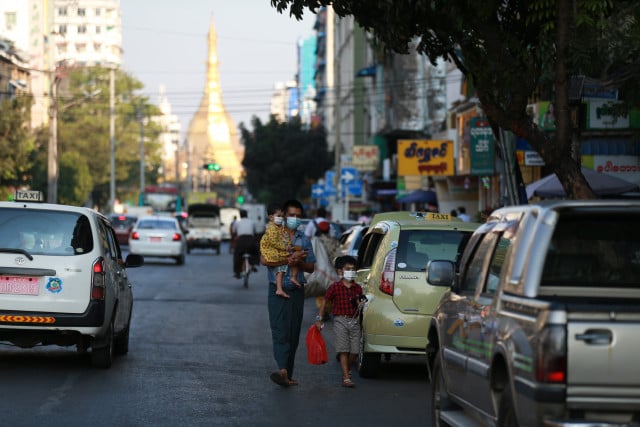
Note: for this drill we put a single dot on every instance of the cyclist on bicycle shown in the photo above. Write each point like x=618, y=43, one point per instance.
x=245, y=231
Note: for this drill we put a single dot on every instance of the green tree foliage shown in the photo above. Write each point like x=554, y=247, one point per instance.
x=281, y=159
x=83, y=129
x=16, y=144
x=510, y=51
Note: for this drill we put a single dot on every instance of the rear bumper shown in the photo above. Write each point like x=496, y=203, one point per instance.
x=92, y=316
x=203, y=243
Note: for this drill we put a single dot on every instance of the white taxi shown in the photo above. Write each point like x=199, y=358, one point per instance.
x=62, y=278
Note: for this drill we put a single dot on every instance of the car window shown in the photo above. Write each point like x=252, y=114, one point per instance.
x=44, y=231
x=108, y=241
x=417, y=247
x=122, y=221
x=150, y=224
x=371, y=243
x=497, y=262
x=473, y=274
x=594, y=250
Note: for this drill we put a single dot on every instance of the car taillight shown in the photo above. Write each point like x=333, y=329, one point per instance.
x=388, y=273
x=176, y=237
x=551, y=364
x=98, y=280
x=135, y=235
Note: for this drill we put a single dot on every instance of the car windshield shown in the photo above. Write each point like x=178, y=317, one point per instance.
x=416, y=247
x=590, y=250
x=45, y=232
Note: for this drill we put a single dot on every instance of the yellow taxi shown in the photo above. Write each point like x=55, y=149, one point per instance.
x=392, y=262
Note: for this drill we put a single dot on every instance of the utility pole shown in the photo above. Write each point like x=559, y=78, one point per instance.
x=112, y=137
x=142, y=185
x=52, y=155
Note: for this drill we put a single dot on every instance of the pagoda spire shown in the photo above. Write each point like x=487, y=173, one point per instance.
x=213, y=89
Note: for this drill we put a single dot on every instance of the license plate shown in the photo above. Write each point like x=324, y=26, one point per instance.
x=155, y=239
x=19, y=285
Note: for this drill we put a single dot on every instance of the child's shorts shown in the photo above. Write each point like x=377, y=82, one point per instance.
x=282, y=268
x=347, y=334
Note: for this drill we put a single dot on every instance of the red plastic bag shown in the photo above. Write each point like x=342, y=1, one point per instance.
x=316, y=348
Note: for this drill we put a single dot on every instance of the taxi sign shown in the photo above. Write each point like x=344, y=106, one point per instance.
x=29, y=196
x=434, y=216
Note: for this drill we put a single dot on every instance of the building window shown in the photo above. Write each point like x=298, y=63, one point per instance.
x=81, y=47
x=97, y=47
x=82, y=11
x=98, y=29
x=62, y=29
x=62, y=11
x=9, y=20
x=62, y=48
x=82, y=29
x=98, y=11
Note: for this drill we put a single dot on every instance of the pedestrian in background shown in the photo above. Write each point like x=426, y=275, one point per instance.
x=285, y=314
x=462, y=214
x=331, y=244
x=312, y=227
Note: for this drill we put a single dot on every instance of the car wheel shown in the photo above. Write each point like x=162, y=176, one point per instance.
x=102, y=357
x=368, y=363
x=506, y=409
x=121, y=342
x=440, y=400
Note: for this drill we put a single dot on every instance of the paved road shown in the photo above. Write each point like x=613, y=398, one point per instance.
x=200, y=355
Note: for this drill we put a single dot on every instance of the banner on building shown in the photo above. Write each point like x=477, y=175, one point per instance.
x=366, y=158
x=425, y=157
x=481, y=147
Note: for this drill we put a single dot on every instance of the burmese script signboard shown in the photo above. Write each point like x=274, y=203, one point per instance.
x=425, y=157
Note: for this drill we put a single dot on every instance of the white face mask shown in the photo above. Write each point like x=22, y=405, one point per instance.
x=278, y=220
x=349, y=275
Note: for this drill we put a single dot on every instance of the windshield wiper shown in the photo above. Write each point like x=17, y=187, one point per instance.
x=17, y=251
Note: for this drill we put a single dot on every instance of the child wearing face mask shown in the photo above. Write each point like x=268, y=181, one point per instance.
x=275, y=246
x=346, y=298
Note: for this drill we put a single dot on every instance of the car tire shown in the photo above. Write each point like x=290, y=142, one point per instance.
x=506, y=409
x=180, y=260
x=368, y=363
x=102, y=357
x=121, y=342
x=440, y=400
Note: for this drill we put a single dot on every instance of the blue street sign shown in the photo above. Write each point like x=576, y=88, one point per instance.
x=355, y=188
x=348, y=174
x=317, y=191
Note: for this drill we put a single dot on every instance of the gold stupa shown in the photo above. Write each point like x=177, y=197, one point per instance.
x=212, y=135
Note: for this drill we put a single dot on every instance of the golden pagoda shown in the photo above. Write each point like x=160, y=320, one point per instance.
x=212, y=136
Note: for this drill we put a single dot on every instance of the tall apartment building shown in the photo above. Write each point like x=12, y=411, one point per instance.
x=87, y=32
x=54, y=32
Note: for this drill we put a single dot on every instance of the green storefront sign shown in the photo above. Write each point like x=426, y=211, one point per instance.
x=482, y=159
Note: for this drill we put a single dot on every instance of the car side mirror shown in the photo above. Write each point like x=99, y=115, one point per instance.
x=441, y=273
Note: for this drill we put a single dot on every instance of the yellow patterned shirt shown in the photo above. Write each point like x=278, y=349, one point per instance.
x=275, y=243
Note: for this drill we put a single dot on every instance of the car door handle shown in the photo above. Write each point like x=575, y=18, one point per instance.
x=596, y=336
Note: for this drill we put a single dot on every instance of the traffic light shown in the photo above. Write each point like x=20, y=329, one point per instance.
x=240, y=200
x=212, y=167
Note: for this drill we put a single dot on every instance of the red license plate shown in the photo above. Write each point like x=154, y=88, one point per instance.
x=155, y=239
x=20, y=285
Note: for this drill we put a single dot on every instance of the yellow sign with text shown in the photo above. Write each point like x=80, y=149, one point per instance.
x=425, y=157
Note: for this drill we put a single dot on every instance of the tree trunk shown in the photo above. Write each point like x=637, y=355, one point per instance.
x=566, y=155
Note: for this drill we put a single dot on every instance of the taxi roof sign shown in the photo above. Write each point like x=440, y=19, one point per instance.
x=29, y=196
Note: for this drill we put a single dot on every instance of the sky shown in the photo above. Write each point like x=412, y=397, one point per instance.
x=165, y=43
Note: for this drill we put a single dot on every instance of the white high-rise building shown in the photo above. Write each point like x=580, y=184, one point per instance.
x=61, y=32
x=87, y=32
